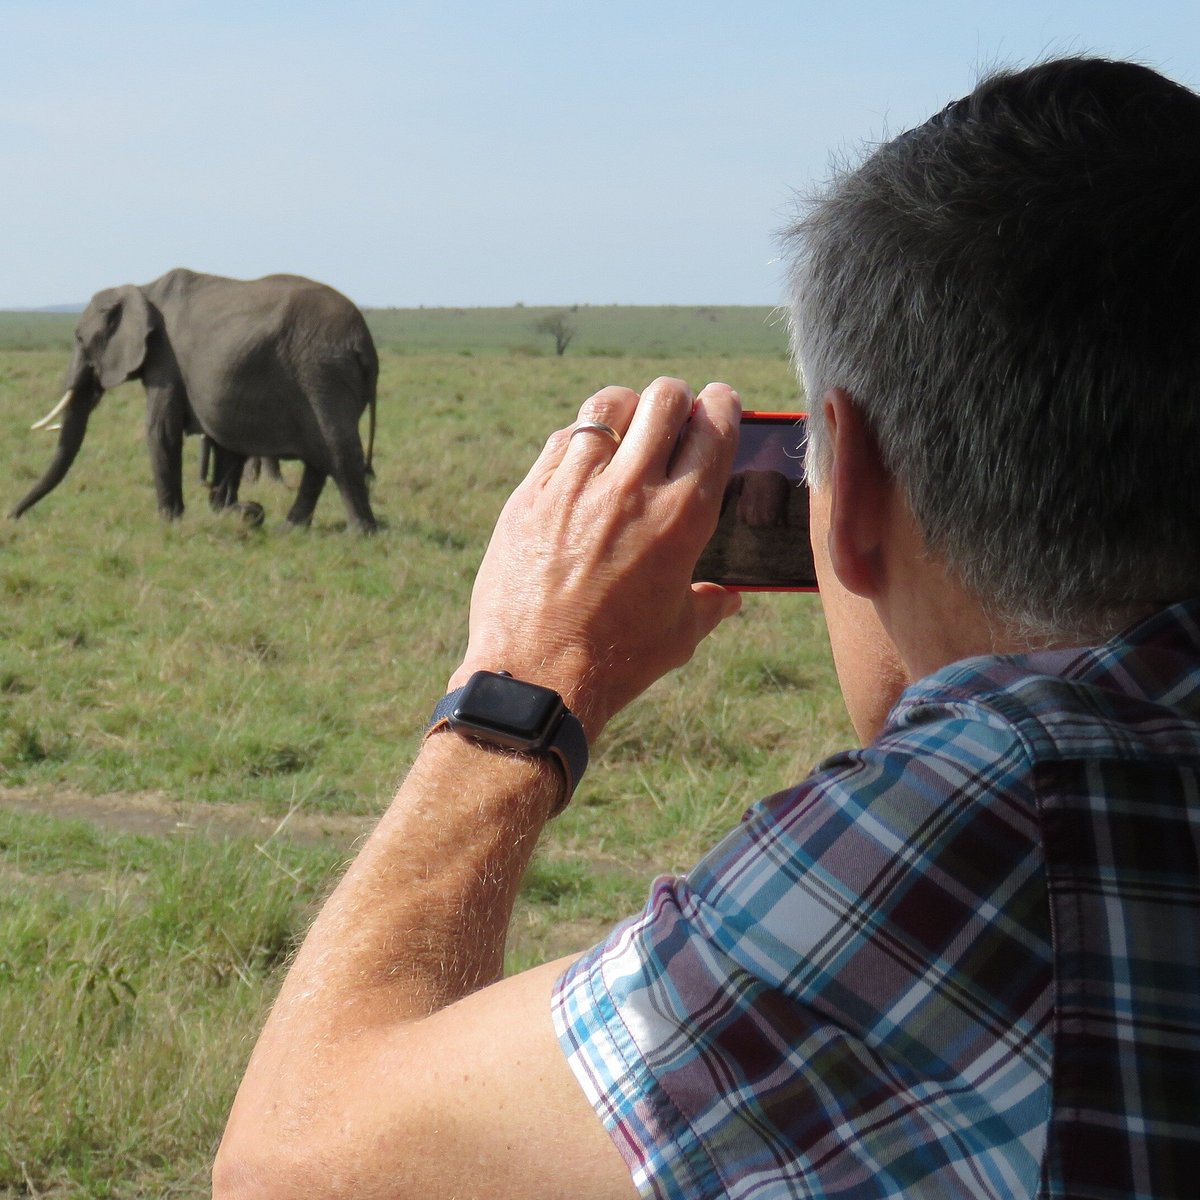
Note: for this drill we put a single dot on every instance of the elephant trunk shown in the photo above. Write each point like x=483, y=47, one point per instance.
x=74, y=424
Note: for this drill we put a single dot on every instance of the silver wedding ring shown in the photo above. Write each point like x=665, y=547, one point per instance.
x=597, y=427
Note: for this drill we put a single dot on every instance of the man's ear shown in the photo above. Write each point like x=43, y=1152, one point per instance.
x=861, y=490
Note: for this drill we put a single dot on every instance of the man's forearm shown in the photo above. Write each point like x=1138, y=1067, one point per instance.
x=420, y=918
x=423, y=911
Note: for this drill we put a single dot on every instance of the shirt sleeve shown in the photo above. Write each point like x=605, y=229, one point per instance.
x=849, y=996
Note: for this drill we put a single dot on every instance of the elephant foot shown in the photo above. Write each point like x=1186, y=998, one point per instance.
x=251, y=513
x=364, y=526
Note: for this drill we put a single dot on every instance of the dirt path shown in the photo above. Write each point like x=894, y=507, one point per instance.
x=154, y=813
x=157, y=813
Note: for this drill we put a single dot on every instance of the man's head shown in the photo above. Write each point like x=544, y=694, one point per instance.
x=1010, y=293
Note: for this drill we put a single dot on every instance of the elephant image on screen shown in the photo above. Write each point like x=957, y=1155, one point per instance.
x=280, y=367
x=761, y=542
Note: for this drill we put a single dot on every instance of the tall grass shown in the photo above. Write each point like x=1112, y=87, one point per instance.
x=133, y=971
x=204, y=664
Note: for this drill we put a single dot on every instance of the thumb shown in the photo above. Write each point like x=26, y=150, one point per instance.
x=711, y=604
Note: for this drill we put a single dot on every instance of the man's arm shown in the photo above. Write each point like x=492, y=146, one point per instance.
x=396, y=1062
x=374, y=1077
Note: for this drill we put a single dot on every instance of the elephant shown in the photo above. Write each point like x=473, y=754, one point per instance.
x=280, y=367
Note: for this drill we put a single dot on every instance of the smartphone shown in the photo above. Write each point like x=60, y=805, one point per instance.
x=761, y=541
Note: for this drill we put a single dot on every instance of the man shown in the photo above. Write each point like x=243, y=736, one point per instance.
x=961, y=961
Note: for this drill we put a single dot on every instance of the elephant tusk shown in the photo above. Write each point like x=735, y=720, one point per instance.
x=54, y=412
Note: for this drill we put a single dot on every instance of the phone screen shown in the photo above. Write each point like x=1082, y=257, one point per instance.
x=761, y=542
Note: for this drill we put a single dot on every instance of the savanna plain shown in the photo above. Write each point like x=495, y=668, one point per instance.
x=198, y=721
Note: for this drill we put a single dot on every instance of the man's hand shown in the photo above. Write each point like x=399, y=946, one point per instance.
x=586, y=585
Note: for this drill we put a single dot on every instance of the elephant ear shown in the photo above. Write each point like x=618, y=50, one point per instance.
x=128, y=322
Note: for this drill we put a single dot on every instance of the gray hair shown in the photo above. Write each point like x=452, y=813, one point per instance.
x=1011, y=295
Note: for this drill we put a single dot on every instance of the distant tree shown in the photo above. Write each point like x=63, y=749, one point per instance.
x=559, y=328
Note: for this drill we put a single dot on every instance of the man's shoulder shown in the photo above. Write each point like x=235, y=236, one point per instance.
x=1137, y=694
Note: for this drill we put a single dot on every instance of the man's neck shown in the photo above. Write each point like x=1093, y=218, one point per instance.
x=935, y=620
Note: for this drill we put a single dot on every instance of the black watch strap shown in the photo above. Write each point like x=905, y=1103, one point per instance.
x=563, y=738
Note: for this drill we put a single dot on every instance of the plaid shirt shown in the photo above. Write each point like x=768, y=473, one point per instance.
x=964, y=961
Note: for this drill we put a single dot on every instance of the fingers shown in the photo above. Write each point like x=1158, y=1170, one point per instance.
x=660, y=417
x=611, y=406
x=664, y=430
x=674, y=434
x=600, y=430
x=710, y=440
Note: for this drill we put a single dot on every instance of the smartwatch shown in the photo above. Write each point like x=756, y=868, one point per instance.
x=494, y=708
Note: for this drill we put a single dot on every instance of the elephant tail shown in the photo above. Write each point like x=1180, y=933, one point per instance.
x=370, y=470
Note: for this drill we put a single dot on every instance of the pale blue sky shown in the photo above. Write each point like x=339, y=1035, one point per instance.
x=461, y=153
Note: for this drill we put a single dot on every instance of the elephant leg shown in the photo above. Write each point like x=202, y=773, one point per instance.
x=358, y=505
x=227, y=478
x=257, y=467
x=164, y=440
x=307, y=495
x=350, y=475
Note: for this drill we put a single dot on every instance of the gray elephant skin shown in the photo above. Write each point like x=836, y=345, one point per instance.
x=280, y=367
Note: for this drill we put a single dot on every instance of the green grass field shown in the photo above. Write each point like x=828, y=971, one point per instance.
x=197, y=721
x=600, y=331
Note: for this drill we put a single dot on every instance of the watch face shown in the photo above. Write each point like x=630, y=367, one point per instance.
x=519, y=714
